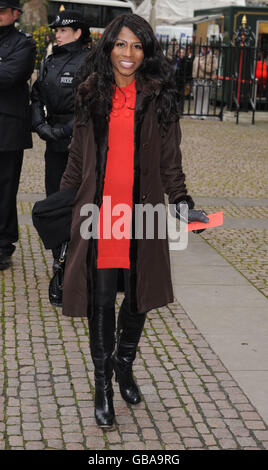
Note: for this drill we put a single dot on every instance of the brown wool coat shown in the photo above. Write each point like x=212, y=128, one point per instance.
x=157, y=170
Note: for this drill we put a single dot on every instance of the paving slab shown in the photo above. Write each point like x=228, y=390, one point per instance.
x=212, y=275
x=243, y=351
x=238, y=201
x=257, y=387
x=207, y=298
x=245, y=223
x=226, y=320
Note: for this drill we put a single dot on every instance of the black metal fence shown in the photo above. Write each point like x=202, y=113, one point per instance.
x=215, y=76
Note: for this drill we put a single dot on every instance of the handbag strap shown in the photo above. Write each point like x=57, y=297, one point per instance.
x=63, y=252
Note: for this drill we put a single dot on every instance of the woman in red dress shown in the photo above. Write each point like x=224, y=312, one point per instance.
x=125, y=151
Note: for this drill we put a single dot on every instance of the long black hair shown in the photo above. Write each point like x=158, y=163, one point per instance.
x=95, y=82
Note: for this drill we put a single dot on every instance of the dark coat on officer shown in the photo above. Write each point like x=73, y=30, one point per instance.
x=54, y=90
x=157, y=170
x=17, y=57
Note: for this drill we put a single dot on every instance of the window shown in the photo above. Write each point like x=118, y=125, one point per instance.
x=110, y=13
x=93, y=15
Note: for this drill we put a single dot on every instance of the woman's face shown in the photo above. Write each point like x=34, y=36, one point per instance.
x=126, y=57
x=65, y=34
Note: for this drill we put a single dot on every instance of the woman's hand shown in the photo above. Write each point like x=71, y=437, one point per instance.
x=193, y=215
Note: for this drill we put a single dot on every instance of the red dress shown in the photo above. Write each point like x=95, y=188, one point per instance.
x=116, y=210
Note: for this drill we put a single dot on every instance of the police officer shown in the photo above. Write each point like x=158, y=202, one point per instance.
x=17, y=57
x=53, y=91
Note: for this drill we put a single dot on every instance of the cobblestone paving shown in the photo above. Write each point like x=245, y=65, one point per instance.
x=190, y=401
x=33, y=169
x=223, y=159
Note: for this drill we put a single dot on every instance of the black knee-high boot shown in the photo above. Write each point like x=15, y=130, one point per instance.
x=102, y=343
x=129, y=330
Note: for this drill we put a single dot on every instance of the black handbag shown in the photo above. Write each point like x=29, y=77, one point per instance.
x=52, y=217
x=55, y=288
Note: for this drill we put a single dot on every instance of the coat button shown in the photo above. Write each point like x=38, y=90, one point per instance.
x=143, y=197
x=145, y=145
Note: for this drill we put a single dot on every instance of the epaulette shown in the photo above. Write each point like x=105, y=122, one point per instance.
x=27, y=35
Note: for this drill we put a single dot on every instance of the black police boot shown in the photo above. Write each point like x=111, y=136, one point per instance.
x=5, y=261
x=129, y=330
x=102, y=343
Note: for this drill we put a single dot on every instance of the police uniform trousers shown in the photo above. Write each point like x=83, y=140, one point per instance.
x=55, y=164
x=10, y=169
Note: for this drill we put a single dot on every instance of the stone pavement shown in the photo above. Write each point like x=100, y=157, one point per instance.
x=190, y=398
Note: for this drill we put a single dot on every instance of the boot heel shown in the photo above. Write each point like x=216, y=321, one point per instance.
x=128, y=388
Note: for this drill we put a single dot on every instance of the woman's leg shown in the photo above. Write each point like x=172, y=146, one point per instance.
x=102, y=343
x=129, y=331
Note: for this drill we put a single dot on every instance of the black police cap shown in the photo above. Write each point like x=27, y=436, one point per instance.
x=68, y=18
x=10, y=4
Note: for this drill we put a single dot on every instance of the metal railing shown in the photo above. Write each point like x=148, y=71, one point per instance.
x=215, y=76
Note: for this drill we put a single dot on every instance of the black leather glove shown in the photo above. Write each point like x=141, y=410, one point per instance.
x=193, y=216
x=45, y=132
x=58, y=132
x=62, y=132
